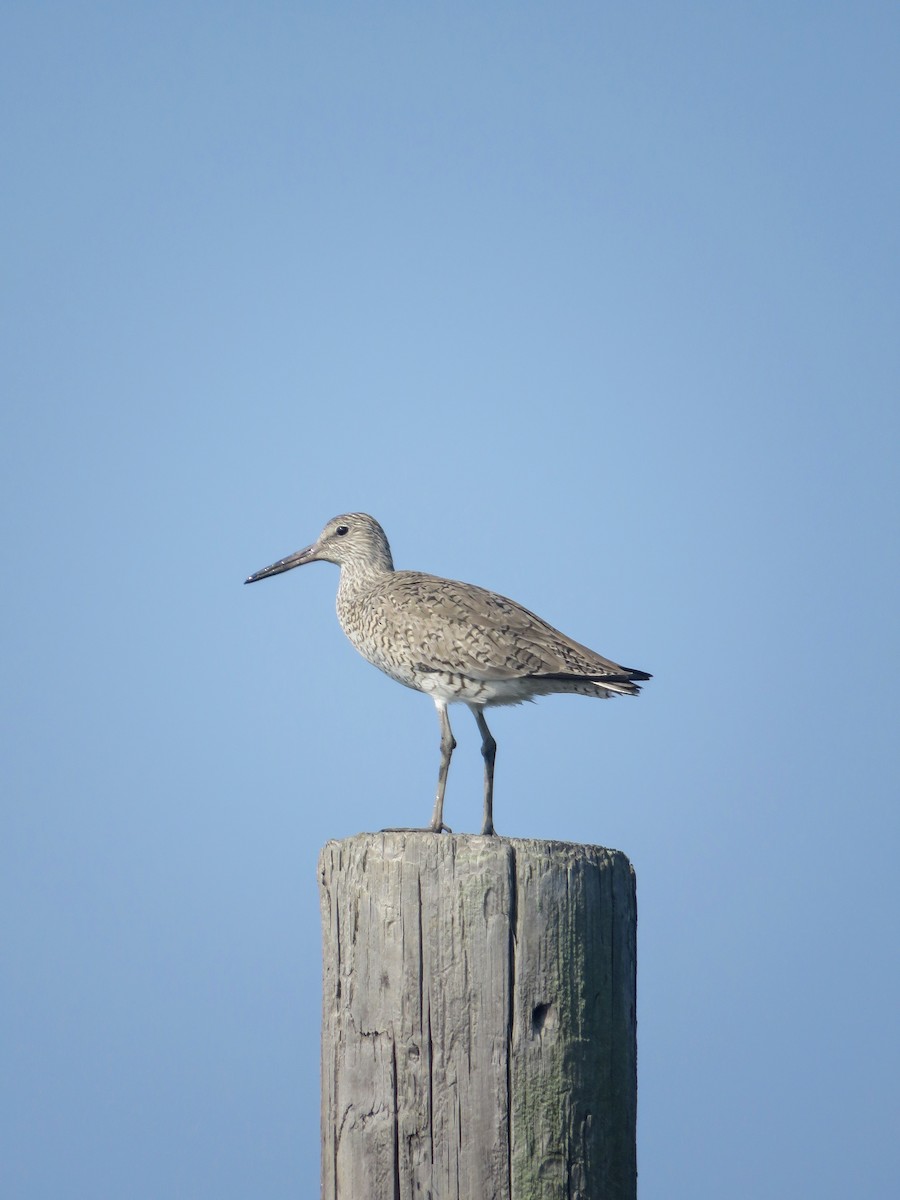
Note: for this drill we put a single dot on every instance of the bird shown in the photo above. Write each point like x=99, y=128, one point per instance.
x=456, y=642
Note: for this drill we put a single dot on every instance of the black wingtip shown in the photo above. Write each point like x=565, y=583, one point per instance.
x=623, y=678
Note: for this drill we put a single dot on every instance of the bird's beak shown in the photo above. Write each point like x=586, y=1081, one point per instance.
x=306, y=555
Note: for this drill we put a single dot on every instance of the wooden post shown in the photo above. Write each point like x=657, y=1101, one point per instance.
x=478, y=1037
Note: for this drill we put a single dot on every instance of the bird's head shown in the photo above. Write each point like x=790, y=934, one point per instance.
x=353, y=540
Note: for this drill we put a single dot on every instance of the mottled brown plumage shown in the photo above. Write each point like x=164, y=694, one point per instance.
x=454, y=641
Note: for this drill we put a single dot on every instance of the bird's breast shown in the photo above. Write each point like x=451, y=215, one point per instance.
x=398, y=643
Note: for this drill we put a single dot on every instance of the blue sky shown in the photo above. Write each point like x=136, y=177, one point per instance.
x=594, y=305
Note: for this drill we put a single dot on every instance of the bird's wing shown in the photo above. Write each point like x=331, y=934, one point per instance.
x=461, y=628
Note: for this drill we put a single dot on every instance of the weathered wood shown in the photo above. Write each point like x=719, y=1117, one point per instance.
x=478, y=1038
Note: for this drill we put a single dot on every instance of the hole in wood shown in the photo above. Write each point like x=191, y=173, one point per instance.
x=542, y=1018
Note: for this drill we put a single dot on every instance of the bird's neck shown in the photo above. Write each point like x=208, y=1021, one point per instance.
x=357, y=577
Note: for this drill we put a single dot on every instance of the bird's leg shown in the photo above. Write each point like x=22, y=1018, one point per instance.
x=489, y=753
x=448, y=745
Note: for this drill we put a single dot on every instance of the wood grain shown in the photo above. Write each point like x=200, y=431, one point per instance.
x=478, y=1038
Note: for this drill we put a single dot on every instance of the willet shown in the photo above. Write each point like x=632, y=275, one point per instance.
x=456, y=642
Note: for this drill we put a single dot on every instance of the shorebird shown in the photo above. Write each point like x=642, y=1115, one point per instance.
x=456, y=642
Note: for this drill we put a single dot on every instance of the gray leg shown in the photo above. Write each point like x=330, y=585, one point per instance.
x=448, y=745
x=489, y=753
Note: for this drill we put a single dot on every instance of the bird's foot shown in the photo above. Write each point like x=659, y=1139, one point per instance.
x=488, y=830
x=442, y=828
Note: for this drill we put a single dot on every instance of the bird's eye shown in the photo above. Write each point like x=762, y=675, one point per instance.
x=342, y=529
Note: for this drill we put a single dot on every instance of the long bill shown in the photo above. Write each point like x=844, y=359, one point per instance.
x=284, y=564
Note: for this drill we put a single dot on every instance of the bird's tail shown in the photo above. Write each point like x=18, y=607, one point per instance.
x=623, y=682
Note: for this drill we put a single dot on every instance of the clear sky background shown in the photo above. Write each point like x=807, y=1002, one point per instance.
x=597, y=305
